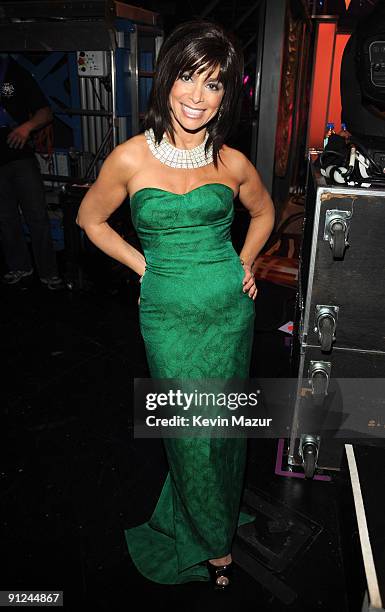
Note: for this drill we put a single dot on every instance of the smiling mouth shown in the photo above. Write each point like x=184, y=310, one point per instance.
x=193, y=113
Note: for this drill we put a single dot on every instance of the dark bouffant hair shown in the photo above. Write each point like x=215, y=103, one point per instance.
x=191, y=46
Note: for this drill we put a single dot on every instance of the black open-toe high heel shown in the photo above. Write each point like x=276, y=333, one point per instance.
x=220, y=575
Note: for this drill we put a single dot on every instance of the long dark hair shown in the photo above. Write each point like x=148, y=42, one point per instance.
x=191, y=46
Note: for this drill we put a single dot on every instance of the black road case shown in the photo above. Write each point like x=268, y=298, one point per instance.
x=340, y=322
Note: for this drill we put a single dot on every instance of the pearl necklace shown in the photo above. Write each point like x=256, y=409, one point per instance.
x=171, y=156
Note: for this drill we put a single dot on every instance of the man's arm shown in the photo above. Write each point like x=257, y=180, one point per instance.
x=19, y=135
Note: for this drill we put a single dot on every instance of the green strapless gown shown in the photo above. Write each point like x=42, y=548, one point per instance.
x=196, y=322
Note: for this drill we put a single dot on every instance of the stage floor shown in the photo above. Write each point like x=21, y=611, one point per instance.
x=73, y=478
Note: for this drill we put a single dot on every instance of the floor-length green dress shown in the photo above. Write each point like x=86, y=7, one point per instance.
x=196, y=323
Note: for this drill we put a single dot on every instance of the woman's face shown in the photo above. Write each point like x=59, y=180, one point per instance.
x=195, y=99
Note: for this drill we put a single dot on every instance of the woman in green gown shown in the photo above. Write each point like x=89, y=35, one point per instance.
x=197, y=295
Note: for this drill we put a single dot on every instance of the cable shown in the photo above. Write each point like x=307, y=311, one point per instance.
x=97, y=96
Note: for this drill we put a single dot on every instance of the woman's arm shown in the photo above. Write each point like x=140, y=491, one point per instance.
x=102, y=199
x=255, y=198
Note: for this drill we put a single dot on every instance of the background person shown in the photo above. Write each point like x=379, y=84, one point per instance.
x=23, y=110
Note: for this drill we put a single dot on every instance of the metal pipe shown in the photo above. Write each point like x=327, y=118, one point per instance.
x=62, y=178
x=113, y=99
x=259, y=55
x=84, y=112
x=98, y=153
x=209, y=8
x=107, y=123
x=249, y=41
x=91, y=119
x=246, y=14
x=134, y=81
x=82, y=87
x=106, y=100
x=98, y=120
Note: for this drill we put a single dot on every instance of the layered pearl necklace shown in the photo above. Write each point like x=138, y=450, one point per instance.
x=169, y=155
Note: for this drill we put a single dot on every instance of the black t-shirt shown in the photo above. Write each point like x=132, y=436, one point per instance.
x=21, y=97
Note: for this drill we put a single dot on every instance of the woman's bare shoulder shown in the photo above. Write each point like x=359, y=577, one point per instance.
x=236, y=161
x=125, y=159
x=233, y=154
x=132, y=150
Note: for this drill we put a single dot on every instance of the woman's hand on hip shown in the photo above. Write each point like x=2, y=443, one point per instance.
x=140, y=282
x=249, y=285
